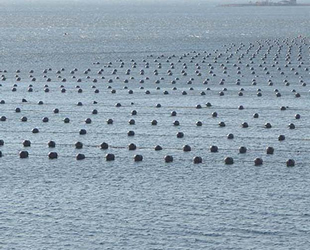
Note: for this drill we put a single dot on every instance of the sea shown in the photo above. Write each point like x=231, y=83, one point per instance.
x=135, y=63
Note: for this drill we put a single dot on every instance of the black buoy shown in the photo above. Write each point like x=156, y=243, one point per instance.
x=242, y=150
x=187, y=148
x=132, y=146
x=214, y=149
x=258, y=161
x=154, y=122
x=45, y=119
x=176, y=123
x=268, y=125
x=230, y=136
x=132, y=122
x=1, y=142
x=104, y=145
x=78, y=145
x=291, y=126
x=66, y=120
x=51, y=144
x=297, y=116
x=24, y=119
x=130, y=133
x=180, y=135
x=269, y=150
x=35, y=130
x=197, y=160
x=255, y=115
x=229, y=161
x=110, y=121
x=158, y=148
x=26, y=143
x=83, y=132
x=290, y=163
x=52, y=155
x=245, y=125
x=138, y=158
x=88, y=121
x=80, y=157
x=281, y=137
x=23, y=154
x=110, y=157
x=222, y=124
x=168, y=158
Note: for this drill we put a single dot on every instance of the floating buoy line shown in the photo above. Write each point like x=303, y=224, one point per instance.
x=242, y=93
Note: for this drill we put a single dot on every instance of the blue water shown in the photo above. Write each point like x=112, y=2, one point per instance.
x=94, y=204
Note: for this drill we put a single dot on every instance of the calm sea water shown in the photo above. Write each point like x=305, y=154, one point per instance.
x=95, y=204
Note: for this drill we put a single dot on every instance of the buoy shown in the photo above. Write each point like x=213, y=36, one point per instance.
x=23, y=119
x=130, y=133
x=51, y=144
x=168, y=158
x=26, y=143
x=110, y=121
x=270, y=150
x=110, y=157
x=80, y=157
x=222, y=124
x=132, y=146
x=35, y=130
x=290, y=163
x=197, y=160
x=132, y=122
x=154, y=122
x=23, y=154
x=138, y=158
x=229, y=161
x=45, y=119
x=176, y=123
x=258, y=161
x=87, y=120
x=66, y=120
x=291, y=126
x=187, y=148
x=82, y=132
x=158, y=148
x=245, y=125
x=78, y=145
x=214, y=149
x=268, y=125
x=242, y=150
x=52, y=155
x=230, y=136
x=1, y=142
x=281, y=138
x=180, y=135
x=104, y=145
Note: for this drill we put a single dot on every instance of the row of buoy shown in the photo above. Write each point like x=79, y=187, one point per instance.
x=154, y=122
x=139, y=158
x=186, y=148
